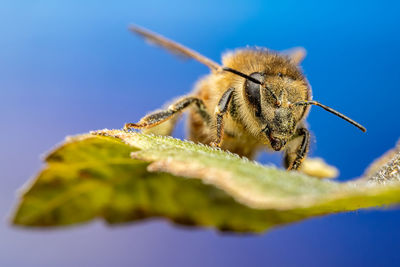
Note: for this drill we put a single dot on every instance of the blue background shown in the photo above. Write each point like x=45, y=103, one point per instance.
x=67, y=67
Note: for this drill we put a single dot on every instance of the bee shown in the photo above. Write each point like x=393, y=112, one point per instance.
x=257, y=99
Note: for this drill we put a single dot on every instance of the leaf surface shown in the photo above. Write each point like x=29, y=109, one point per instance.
x=126, y=176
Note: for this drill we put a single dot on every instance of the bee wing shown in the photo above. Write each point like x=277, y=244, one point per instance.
x=296, y=54
x=174, y=47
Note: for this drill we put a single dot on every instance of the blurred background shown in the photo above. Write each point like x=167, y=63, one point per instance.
x=67, y=67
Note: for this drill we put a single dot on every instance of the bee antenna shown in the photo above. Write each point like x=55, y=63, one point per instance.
x=331, y=110
x=241, y=75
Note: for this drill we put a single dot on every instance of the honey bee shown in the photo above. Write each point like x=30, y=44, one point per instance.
x=257, y=99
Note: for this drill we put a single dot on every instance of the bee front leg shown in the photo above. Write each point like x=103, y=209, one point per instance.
x=220, y=111
x=157, y=117
x=297, y=149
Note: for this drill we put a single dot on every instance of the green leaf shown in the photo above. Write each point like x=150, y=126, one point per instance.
x=124, y=176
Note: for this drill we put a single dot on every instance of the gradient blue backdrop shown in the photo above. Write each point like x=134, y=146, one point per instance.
x=67, y=67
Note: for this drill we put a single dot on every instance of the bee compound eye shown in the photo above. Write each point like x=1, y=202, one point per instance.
x=253, y=89
x=252, y=92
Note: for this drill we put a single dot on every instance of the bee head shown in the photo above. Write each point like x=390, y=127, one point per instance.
x=271, y=101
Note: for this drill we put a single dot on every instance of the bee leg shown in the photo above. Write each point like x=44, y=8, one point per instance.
x=157, y=117
x=297, y=149
x=220, y=111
